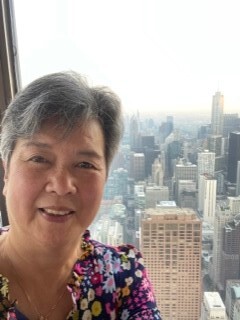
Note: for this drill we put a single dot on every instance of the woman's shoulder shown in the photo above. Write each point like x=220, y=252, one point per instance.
x=107, y=251
x=122, y=251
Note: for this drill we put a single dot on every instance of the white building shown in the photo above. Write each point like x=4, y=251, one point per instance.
x=207, y=193
x=234, y=204
x=157, y=172
x=217, y=114
x=206, y=163
x=213, y=307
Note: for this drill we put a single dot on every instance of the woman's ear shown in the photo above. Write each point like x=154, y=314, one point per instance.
x=5, y=171
x=5, y=177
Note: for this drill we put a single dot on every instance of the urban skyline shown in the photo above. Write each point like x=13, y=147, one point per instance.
x=163, y=180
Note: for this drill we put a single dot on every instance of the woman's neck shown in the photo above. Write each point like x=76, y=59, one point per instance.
x=27, y=256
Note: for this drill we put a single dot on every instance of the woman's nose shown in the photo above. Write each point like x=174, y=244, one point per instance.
x=62, y=182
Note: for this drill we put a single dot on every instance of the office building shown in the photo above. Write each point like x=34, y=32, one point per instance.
x=217, y=114
x=134, y=133
x=230, y=261
x=233, y=156
x=222, y=215
x=187, y=194
x=236, y=310
x=183, y=171
x=234, y=204
x=232, y=296
x=207, y=192
x=238, y=179
x=137, y=166
x=157, y=172
x=155, y=194
x=215, y=144
x=213, y=307
x=206, y=163
x=230, y=123
x=165, y=129
x=171, y=245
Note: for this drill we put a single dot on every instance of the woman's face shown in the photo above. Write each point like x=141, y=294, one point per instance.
x=54, y=185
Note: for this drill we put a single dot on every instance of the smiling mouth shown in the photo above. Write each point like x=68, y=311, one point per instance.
x=55, y=213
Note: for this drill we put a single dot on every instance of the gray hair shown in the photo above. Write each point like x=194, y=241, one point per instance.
x=68, y=100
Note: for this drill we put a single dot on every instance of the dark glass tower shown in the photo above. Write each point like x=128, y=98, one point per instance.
x=233, y=155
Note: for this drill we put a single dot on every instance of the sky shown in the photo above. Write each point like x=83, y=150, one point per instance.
x=157, y=55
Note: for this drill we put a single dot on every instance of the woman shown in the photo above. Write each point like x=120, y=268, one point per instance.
x=58, y=139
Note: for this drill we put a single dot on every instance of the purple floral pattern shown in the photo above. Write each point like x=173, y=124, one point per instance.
x=107, y=283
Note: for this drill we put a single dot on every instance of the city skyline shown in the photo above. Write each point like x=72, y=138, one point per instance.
x=158, y=56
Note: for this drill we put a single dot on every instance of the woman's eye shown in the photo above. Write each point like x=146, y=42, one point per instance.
x=38, y=159
x=85, y=165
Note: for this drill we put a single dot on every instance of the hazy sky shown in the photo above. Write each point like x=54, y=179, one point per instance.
x=158, y=55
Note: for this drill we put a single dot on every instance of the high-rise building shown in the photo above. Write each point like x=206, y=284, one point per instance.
x=137, y=166
x=207, y=192
x=171, y=245
x=174, y=152
x=222, y=215
x=165, y=129
x=230, y=251
x=236, y=310
x=230, y=123
x=155, y=194
x=187, y=194
x=217, y=114
x=232, y=296
x=215, y=144
x=213, y=307
x=134, y=132
x=206, y=163
x=234, y=204
x=157, y=172
x=238, y=179
x=183, y=171
x=233, y=156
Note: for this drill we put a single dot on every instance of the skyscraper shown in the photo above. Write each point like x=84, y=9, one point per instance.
x=217, y=114
x=183, y=171
x=206, y=163
x=233, y=156
x=232, y=296
x=207, y=191
x=137, y=166
x=171, y=246
x=230, y=123
x=230, y=251
x=238, y=179
x=223, y=214
x=157, y=172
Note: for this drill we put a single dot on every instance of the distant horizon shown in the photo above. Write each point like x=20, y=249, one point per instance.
x=156, y=55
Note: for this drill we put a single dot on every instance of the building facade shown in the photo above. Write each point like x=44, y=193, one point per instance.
x=217, y=114
x=171, y=245
x=213, y=307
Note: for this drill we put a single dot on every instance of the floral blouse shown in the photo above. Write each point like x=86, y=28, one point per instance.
x=107, y=283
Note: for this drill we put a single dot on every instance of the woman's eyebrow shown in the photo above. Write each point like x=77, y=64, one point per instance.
x=36, y=144
x=90, y=154
x=87, y=152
